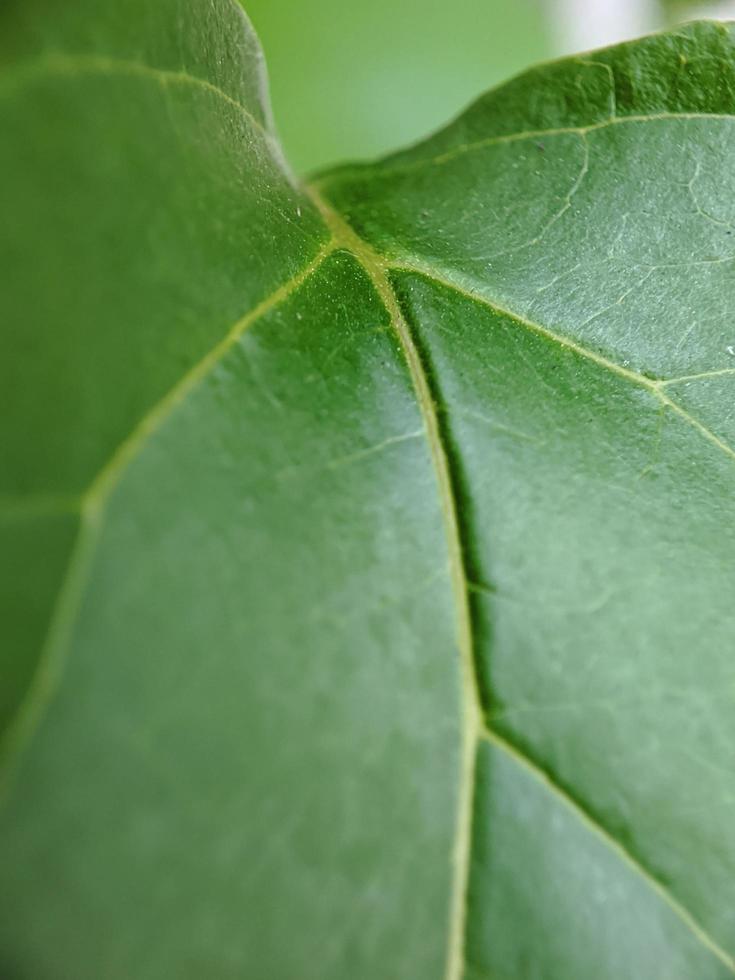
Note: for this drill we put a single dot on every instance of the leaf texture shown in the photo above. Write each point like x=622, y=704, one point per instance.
x=368, y=581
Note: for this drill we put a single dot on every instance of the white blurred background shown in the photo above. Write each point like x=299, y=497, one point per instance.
x=579, y=24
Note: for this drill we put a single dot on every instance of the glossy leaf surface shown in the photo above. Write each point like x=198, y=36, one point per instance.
x=368, y=546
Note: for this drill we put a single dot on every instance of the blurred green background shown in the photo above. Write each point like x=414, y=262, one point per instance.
x=356, y=78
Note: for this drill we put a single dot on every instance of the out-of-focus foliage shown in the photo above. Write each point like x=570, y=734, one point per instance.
x=354, y=79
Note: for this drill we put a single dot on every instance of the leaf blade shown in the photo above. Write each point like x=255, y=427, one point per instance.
x=577, y=468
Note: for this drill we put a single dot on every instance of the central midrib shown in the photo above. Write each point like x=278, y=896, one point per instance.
x=472, y=724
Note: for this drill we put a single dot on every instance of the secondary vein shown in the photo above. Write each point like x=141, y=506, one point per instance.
x=654, y=386
x=93, y=503
x=585, y=816
x=92, y=64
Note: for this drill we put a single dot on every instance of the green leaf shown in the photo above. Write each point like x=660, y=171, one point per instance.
x=368, y=546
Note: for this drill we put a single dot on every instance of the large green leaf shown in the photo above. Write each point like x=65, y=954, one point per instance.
x=368, y=548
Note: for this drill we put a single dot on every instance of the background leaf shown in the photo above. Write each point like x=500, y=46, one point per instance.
x=358, y=79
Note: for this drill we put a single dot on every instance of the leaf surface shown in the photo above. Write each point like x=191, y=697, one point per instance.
x=368, y=582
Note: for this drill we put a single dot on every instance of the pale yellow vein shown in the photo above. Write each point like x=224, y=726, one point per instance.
x=654, y=386
x=377, y=269
x=32, y=506
x=92, y=506
x=630, y=861
x=380, y=170
x=78, y=65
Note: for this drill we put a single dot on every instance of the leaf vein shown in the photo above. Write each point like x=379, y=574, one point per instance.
x=377, y=269
x=53, y=654
x=58, y=64
x=382, y=169
x=522, y=759
x=654, y=386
